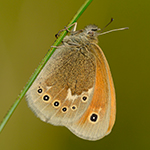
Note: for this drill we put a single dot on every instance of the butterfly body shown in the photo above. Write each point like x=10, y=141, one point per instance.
x=75, y=88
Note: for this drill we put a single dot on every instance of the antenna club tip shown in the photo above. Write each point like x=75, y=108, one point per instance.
x=126, y=27
x=112, y=19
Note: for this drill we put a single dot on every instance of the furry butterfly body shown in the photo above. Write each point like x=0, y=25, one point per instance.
x=75, y=88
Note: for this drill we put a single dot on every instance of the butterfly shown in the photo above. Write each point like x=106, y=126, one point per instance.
x=75, y=88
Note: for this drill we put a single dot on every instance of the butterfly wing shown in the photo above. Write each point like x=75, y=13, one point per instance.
x=64, y=89
x=98, y=120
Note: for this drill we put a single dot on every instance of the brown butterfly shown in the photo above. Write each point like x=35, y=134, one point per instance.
x=75, y=88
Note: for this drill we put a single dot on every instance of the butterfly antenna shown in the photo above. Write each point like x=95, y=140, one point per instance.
x=114, y=30
x=107, y=24
x=101, y=31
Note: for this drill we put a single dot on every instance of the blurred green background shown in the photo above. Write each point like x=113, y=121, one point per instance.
x=27, y=29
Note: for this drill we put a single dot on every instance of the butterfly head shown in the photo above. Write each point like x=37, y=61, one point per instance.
x=91, y=32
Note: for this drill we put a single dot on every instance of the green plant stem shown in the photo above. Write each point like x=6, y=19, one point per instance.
x=43, y=62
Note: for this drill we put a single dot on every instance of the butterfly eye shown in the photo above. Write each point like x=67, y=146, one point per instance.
x=56, y=103
x=94, y=117
x=46, y=98
x=64, y=109
x=93, y=29
x=84, y=98
x=74, y=107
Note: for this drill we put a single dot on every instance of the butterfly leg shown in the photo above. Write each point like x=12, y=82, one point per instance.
x=67, y=29
x=56, y=46
x=75, y=26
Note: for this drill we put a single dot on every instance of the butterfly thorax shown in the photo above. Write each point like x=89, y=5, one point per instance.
x=84, y=37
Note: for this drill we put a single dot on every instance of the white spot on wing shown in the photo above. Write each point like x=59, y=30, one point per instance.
x=89, y=91
x=48, y=87
x=73, y=97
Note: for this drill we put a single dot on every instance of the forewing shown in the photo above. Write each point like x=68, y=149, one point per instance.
x=63, y=90
x=98, y=119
